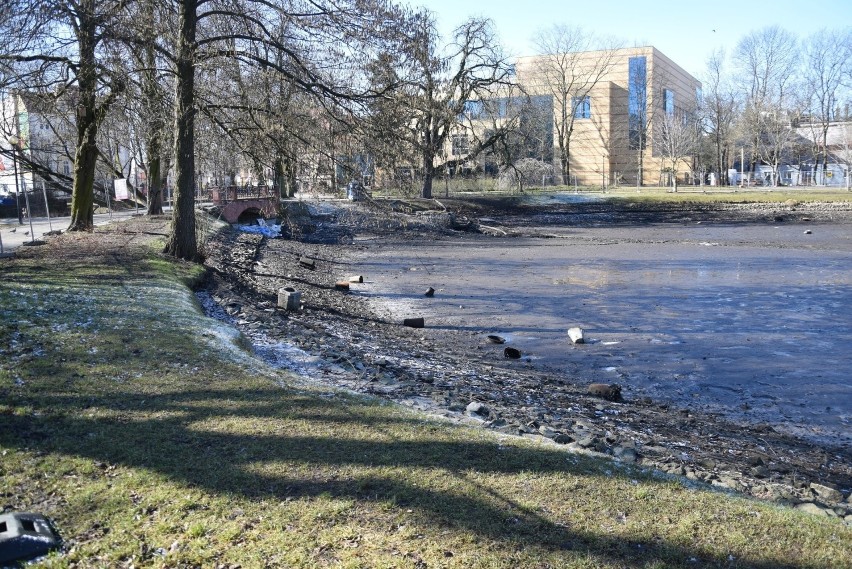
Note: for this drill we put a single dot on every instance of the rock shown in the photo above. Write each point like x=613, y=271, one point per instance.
x=547, y=431
x=512, y=353
x=413, y=322
x=808, y=232
x=586, y=441
x=563, y=439
x=509, y=429
x=759, y=472
x=496, y=339
x=289, y=298
x=476, y=408
x=625, y=454
x=811, y=508
x=826, y=494
x=707, y=463
x=575, y=334
x=430, y=292
x=610, y=392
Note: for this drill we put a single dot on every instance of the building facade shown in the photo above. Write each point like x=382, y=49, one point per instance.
x=607, y=111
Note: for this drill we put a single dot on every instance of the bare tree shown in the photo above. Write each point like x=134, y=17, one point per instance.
x=521, y=129
x=63, y=47
x=676, y=137
x=440, y=86
x=767, y=60
x=315, y=46
x=720, y=106
x=570, y=75
x=828, y=62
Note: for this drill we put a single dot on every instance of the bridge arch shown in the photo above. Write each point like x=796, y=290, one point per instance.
x=257, y=207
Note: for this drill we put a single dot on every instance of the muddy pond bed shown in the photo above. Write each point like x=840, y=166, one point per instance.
x=727, y=327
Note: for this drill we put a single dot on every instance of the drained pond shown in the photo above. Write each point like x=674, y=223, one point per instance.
x=751, y=321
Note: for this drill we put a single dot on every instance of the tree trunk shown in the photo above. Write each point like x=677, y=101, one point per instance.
x=85, y=156
x=151, y=90
x=182, y=243
x=278, y=181
x=563, y=166
x=639, y=169
x=428, y=176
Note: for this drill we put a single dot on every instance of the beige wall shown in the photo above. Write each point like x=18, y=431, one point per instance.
x=599, y=146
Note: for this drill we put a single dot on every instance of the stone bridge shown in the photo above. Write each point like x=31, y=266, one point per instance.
x=236, y=201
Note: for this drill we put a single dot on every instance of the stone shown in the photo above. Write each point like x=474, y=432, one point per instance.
x=625, y=454
x=548, y=431
x=811, y=508
x=512, y=353
x=610, y=392
x=575, y=334
x=760, y=472
x=826, y=493
x=707, y=463
x=476, y=408
x=289, y=298
x=586, y=441
x=509, y=429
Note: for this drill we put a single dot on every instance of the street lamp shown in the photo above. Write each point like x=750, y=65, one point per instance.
x=16, y=147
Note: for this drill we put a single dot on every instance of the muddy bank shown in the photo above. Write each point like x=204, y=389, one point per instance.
x=690, y=406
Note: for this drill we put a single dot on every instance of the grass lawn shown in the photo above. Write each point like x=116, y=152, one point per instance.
x=152, y=439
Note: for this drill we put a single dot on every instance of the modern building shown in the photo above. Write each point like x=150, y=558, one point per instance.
x=612, y=104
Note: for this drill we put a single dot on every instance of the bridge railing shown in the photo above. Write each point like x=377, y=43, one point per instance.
x=224, y=195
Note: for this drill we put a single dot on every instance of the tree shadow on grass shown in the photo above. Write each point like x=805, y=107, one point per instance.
x=251, y=442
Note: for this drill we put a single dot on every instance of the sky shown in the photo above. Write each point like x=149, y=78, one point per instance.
x=686, y=31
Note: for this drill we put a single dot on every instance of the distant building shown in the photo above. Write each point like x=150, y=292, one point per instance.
x=614, y=118
x=46, y=143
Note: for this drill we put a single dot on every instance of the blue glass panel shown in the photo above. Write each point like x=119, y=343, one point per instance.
x=637, y=83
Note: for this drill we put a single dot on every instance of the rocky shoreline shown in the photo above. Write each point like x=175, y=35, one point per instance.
x=339, y=340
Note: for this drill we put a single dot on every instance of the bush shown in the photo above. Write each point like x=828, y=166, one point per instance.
x=525, y=172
